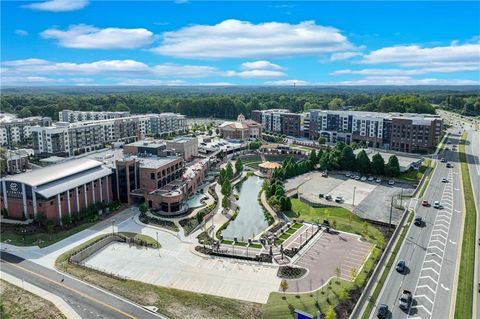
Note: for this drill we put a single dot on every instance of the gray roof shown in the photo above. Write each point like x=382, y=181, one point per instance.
x=64, y=184
x=55, y=172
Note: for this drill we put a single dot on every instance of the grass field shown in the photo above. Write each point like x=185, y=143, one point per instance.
x=17, y=303
x=346, y=221
x=145, y=238
x=172, y=303
x=413, y=175
x=40, y=237
x=464, y=301
x=388, y=267
x=252, y=161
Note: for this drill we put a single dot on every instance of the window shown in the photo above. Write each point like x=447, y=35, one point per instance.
x=51, y=202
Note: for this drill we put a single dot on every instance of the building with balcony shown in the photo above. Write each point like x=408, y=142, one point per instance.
x=15, y=131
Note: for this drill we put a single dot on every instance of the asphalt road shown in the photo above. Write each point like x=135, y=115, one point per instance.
x=87, y=301
x=430, y=251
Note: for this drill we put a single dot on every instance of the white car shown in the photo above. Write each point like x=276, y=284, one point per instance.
x=338, y=199
x=348, y=174
x=391, y=182
x=370, y=179
x=437, y=204
x=378, y=180
x=363, y=179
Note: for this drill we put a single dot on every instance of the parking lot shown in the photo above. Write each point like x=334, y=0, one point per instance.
x=367, y=199
x=328, y=252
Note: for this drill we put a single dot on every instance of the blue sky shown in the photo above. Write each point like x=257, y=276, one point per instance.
x=81, y=42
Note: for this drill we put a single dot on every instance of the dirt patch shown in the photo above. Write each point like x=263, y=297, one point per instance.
x=21, y=304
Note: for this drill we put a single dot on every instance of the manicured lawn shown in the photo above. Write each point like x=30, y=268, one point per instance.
x=292, y=230
x=40, y=237
x=346, y=221
x=17, y=303
x=280, y=308
x=413, y=175
x=145, y=238
x=464, y=302
x=388, y=267
x=172, y=303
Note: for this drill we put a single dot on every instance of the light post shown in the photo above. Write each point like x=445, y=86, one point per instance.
x=390, y=218
x=113, y=226
x=354, y=190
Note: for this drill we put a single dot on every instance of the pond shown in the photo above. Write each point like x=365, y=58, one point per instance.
x=250, y=220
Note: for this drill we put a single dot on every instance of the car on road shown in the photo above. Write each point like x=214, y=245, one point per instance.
x=449, y=165
x=425, y=203
x=401, y=266
x=382, y=311
x=338, y=199
x=442, y=160
x=363, y=179
x=405, y=299
x=444, y=180
x=418, y=221
x=437, y=205
x=391, y=182
x=370, y=179
x=378, y=180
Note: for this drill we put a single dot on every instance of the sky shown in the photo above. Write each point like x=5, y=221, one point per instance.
x=82, y=42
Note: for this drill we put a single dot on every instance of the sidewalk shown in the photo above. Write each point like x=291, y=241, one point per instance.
x=57, y=301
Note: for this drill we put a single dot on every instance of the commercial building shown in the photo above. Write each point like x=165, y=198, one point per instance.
x=395, y=131
x=242, y=129
x=15, y=131
x=56, y=191
x=79, y=116
x=66, y=139
x=145, y=147
x=17, y=161
x=187, y=147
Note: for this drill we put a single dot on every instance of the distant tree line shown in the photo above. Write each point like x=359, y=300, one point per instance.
x=229, y=106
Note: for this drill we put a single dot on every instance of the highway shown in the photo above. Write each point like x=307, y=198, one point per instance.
x=430, y=251
x=89, y=302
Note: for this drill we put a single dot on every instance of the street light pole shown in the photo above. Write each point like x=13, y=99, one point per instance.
x=391, y=209
x=354, y=190
x=113, y=226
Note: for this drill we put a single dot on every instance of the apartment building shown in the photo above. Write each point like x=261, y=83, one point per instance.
x=66, y=139
x=411, y=133
x=271, y=120
x=15, y=131
x=79, y=116
x=283, y=121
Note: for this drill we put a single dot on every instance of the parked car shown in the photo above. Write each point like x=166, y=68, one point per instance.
x=378, y=180
x=391, y=182
x=324, y=174
x=401, y=266
x=425, y=203
x=418, y=221
x=442, y=160
x=405, y=299
x=437, y=205
x=449, y=165
x=338, y=199
x=382, y=312
x=328, y=197
x=363, y=179
x=357, y=177
x=444, y=180
x=348, y=174
x=370, y=179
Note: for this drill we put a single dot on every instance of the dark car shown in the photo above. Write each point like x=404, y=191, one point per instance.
x=418, y=221
x=400, y=266
x=382, y=312
x=449, y=165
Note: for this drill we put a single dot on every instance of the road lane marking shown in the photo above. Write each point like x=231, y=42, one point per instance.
x=452, y=242
x=444, y=287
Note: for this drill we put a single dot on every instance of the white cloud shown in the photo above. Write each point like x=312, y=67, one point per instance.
x=344, y=56
x=288, y=83
x=214, y=84
x=21, y=33
x=402, y=72
x=416, y=56
x=83, y=36
x=259, y=74
x=236, y=39
x=406, y=80
x=260, y=65
x=187, y=71
x=28, y=80
x=57, y=5
x=153, y=82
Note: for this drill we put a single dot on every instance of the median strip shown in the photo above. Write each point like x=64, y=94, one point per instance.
x=464, y=300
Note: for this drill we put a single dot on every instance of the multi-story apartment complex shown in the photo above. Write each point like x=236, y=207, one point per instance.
x=400, y=132
x=15, y=131
x=79, y=116
x=71, y=138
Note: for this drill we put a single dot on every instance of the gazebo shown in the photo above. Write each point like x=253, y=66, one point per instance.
x=268, y=167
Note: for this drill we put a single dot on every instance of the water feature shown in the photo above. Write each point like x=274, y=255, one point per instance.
x=250, y=220
x=195, y=200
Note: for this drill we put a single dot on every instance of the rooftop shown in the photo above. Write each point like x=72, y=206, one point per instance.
x=147, y=143
x=152, y=161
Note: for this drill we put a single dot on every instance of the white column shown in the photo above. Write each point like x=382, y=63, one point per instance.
x=93, y=192
x=85, y=195
x=34, y=201
x=68, y=204
x=5, y=199
x=24, y=195
x=108, y=192
x=76, y=199
x=59, y=206
x=101, y=188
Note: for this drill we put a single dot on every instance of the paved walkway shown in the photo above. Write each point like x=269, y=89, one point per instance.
x=58, y=302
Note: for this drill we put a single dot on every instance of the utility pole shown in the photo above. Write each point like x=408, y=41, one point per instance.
x=391, y=209
x=354, y=190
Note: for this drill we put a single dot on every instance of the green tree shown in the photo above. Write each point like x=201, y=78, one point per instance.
x=3, y=161
x=284, y=287
x=378, y=164
x=143, y=208
x=340, y=146
x=238, y=165
x=321, y=140
x=335, y=104
x=25, y=112
x=226, y=188
x=363, y=162
x=347, y=159
x=229, y=171
x=225, y=202
x=313, y=157
x=393, y=167
x=331, y=314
